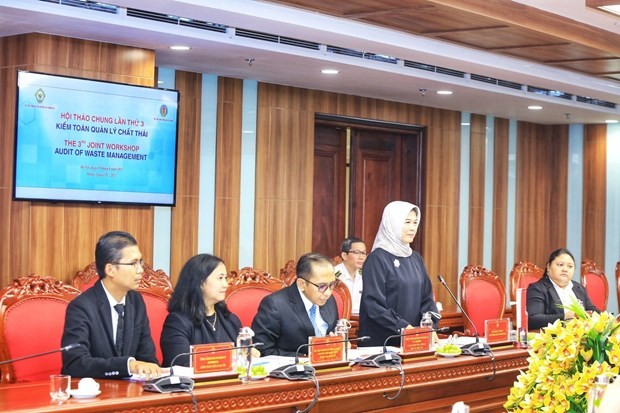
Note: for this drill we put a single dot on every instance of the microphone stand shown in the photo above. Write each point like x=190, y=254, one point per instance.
x=478, y=348
x=298, y=371
x=389, y=358
x=29, y=356
x=174, y=383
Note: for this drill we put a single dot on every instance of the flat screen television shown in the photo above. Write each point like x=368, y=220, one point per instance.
x=80, y=140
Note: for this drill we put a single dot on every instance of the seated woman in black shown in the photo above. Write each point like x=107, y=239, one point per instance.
x=197, y=311
x=555, y=289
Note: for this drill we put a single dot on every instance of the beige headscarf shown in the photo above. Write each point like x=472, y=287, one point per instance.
x=391, y=228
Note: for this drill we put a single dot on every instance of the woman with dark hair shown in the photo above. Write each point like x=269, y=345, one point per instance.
x=555, y=289
x=197, y=311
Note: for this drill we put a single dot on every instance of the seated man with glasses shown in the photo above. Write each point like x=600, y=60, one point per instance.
x=286, y=318
x=109, y=320
x=349, y=271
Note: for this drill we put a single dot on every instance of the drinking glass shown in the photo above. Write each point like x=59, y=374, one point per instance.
x=60, y=384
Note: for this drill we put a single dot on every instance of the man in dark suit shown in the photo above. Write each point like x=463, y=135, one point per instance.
x=283, y=321
x=109, y=320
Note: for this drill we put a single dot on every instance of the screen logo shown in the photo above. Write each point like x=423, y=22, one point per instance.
x=39, y=95
x=163, y=111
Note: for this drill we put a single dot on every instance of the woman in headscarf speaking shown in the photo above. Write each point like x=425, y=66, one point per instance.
x=397, y=290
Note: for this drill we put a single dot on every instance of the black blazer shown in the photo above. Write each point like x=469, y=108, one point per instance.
x=180, y=332
x=282, y=322
x=88, y=322
x=543, y=301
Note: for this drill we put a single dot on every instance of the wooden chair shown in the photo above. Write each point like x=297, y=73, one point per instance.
x=523, y=273
x=595, y=282
x=155, y=287
x=32, y=319
x=288, y=274
x=483, y=297
x=246, y=288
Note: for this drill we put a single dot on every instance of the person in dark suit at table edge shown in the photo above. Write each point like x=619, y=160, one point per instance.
x=555, y=289
x=92, y=318
x=283, y=321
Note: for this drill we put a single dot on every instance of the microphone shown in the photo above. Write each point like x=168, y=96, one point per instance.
x=173, y=383
x=390, y=358
x=301, y=371
x=29, y=356
x=478, y=348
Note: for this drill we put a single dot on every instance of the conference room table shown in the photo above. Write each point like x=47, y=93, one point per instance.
x=432, y=384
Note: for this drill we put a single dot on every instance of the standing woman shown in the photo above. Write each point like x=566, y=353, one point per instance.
x=197, y=311
x=397, y=290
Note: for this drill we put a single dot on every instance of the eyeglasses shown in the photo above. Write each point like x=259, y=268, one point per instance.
x=323, y=287
x=356, y=252
x=136, y=264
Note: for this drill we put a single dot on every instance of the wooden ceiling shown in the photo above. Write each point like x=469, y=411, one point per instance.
x=498, y=26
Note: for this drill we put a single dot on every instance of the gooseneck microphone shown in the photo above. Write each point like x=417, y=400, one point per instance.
x=29, y=356
x=298, y=371
x=173, y=383
x=478, y=348
x=389, y=358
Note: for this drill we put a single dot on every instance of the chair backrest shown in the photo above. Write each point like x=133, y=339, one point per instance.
x=523, y=273
x=155, y=287
x=32, y=318
x=246, y=288
x=156, y=290
x=483, y=297
x=343, y=300
x=288, y=274
x=594, y=281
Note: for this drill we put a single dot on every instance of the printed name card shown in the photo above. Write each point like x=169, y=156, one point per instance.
x=328, y=349
x=211, y=358
x=498, y=330
x=416, y=339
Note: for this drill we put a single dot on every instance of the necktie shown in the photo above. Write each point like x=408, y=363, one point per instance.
x=312, y=315
x=120, y=329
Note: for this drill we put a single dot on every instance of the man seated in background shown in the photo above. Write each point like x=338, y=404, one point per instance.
x=109, y=320
x=286, y=318
x=349, y=271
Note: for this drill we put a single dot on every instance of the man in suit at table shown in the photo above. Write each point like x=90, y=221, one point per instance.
x=286, y=318
x=109, y=320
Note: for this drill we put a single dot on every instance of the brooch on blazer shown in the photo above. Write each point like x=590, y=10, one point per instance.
x=396, y=263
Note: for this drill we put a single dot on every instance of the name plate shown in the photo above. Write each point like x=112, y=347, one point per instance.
x=415, y=339
x=497, y=330
x=328, y=349
x=217, y=357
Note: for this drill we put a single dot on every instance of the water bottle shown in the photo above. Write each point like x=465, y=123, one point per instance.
x=427, y=322
x=342, y=329
x=595, y=396
x=243, y=359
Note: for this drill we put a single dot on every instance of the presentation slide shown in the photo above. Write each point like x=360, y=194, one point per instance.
x=84, y=140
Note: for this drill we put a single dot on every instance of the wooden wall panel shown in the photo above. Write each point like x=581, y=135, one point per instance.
x=228, y=170
x=500, y=198
x=542, y=162
x=477, y=170
x=594, y=193
x=58, y=239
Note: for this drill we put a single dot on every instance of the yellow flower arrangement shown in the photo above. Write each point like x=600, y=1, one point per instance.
x=564, y=360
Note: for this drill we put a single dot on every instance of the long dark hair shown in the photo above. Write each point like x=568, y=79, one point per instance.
x=554, y=255
x=187, y=296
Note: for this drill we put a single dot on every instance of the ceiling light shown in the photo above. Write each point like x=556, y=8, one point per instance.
x=180, y=47
x=330, y=71
x=444, y=92
x=465, y=124
x=611, y=121
x=534, y=107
